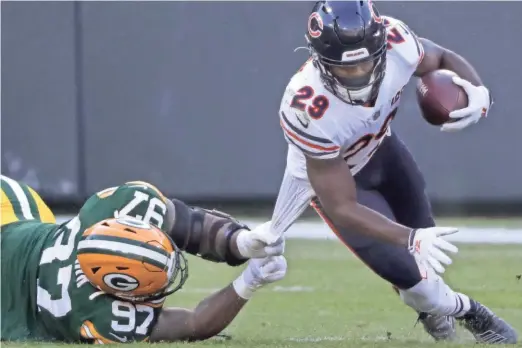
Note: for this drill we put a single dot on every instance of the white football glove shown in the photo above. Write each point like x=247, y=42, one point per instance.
x=479, y=103
x=253, y=244
x=258, y=273
x=427, y=246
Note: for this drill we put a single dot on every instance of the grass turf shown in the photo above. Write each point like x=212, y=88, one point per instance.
x=330, y=299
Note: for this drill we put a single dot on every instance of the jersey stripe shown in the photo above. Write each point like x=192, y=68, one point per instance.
x=420, y=48
x=46, y=215
x=287, y=125
x=8, y=214
x=32, y=202
x=14, y=190
x=310, y=145
x=320, y=155
x=89, y=332
x=107, y=192
x=21, y=202
x=307, y=143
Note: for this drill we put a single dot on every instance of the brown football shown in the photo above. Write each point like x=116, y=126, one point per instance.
x=437, y=96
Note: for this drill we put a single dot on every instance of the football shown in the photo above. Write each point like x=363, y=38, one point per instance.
x=437, y=96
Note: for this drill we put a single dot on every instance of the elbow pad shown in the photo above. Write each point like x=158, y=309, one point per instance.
x=205, y=233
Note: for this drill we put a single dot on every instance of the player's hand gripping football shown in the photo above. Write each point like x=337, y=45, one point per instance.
x=479, y=103
x=255, y=244
x=428, y=247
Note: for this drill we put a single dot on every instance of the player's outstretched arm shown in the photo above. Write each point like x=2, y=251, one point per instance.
x=212, y=235
x=209, y=318
x=216, y=236
x=217, y=311
x=334, y=185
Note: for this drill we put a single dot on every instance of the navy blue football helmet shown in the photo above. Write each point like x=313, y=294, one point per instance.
x=347, y=41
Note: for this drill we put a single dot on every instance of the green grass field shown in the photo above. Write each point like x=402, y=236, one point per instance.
x=484, y=222
x=472, y=221
x=330, y=299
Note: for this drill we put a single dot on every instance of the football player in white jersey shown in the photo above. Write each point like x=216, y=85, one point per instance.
x=345, y=161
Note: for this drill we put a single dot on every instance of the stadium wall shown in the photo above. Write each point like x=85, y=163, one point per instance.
x=185, y=95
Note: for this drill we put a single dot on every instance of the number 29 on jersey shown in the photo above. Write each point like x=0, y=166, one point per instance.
x=306, y=100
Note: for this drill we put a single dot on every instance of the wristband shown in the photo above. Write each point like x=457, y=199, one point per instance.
x=242, y=289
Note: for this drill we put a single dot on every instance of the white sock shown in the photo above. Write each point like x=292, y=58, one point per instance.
x=434, y=296
x=465, y=305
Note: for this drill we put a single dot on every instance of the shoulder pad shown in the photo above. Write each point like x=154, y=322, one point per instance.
x=403, y=42
x=299, y=116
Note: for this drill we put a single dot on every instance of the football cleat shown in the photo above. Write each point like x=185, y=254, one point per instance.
x=486, y=327
x=440, y=328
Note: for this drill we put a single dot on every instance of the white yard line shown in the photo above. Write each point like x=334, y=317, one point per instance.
x=319, y=230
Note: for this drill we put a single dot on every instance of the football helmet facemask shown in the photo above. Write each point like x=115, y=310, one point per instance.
x=347, y=42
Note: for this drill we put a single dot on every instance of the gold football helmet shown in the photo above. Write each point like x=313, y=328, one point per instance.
x=132, y=260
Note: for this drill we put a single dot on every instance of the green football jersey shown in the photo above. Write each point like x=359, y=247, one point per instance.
x=46, y=296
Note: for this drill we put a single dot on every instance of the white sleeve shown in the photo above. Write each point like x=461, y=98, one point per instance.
x=301, y=130
x=294, y=196
x=310, y=141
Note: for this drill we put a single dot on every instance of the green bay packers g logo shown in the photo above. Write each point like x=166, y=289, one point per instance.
x=121, y=282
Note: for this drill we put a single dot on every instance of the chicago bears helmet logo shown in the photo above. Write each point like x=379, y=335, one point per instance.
x=315, y=25
x=373, y=10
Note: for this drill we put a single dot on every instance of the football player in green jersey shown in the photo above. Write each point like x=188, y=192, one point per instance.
x=103, y=276
x=19, y=201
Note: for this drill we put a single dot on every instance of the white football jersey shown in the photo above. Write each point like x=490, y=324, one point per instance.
x=318, y=124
